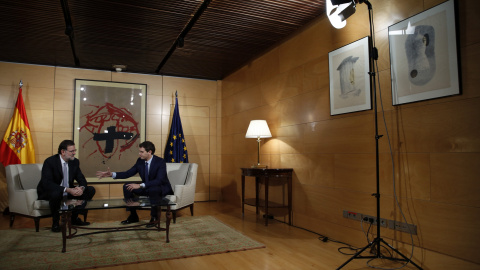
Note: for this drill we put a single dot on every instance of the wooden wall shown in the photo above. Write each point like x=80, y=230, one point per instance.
x=436, y=143
x=48, y=94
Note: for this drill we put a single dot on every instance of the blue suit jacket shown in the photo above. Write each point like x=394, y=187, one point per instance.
x=157, y=174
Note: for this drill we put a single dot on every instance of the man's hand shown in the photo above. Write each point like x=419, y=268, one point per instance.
x=133, y=186
x=76, y=191
x=107, y=173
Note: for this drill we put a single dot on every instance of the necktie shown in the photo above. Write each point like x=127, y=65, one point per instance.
x=146, y=171
x=65, y=176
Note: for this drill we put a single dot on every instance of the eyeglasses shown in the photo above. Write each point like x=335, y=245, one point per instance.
x=71, y=151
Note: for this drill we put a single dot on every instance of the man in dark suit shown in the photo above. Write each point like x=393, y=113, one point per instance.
x=58, y=174
x=155, y=184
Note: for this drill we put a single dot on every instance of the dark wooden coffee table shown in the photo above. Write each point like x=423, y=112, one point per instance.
x=70, y=231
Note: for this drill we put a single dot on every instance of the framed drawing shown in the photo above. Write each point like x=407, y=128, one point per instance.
x=349, y=79
x=109, y=123
x=423, y=55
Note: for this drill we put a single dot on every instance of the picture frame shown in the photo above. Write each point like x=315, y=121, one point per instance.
x=109, y=124
x=424, y=55
x=349, y=68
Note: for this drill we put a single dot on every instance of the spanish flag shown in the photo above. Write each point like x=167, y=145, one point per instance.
x=17, y=146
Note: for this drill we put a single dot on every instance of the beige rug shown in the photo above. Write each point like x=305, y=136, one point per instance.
x=190, y=236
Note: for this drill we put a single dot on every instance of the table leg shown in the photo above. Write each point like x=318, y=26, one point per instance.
x=266, y=200
x=243, y=195
x=63, y=225
x=169, y=217
x=257, y=188
x=289, y=200
x=159, y=215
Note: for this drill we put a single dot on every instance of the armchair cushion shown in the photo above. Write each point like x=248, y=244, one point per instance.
x=177, y=173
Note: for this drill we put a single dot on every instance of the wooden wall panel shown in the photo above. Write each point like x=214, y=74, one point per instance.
x=102, y=191
x=40, y=120
x=39, y=98
x=442, y=127
x=9, y=94
x=470, y=70
x=63, y=99
x=455, y=178
x=304, y=108
x=31, y=75
x=468, y=18
x=263, y=68
x=63, y=121
x=154, y=83
x=448, y=228
x=344, y=135
x=315, y=72
x=387, y=13
x=65, y=77
x=291, y=139
x=313, y=43
x=189, y=88
x=435, y=143
x=157, y=108
x=412, y=175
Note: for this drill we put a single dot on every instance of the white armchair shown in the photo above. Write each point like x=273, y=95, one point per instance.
x=22, y=181
x=183, y=178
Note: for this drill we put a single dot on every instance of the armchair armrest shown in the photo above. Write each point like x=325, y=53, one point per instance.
x=21, y=201
x=185, y=195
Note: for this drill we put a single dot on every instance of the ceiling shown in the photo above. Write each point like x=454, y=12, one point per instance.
x=219, y=36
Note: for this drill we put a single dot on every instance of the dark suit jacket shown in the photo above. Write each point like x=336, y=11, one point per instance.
x=157, y=174
x=52, y=176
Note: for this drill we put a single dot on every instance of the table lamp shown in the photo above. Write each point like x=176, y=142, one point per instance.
x=258, y=129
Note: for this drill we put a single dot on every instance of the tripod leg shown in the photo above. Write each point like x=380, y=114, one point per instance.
x=399, y=253
x=356, y=255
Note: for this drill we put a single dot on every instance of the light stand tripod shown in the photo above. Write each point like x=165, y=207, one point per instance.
x=376, y=243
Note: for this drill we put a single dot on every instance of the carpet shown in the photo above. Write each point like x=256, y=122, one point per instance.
x=190, y=236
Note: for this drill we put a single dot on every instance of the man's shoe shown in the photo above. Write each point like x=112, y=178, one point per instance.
x=151, y=223
x=79, y=222
x=131, y=219
x=56, y=227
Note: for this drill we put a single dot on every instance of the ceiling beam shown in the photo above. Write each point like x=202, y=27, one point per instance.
x=69, y=30
x=180, y=39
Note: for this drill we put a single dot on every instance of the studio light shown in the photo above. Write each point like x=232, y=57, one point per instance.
x=339, y=10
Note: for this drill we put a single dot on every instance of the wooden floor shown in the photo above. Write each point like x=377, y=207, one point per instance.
x=287, y=247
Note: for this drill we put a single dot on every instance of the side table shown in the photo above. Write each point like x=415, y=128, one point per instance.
x=266, y=174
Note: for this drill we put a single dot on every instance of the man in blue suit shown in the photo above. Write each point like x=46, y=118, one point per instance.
x=155, y=184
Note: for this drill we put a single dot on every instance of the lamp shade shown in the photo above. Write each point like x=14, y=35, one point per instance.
x=258, y=129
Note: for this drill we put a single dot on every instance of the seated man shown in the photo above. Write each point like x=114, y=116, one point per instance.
x=155, y=183
x=58, y=174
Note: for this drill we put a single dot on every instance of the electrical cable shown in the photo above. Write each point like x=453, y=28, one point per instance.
x=324, y=238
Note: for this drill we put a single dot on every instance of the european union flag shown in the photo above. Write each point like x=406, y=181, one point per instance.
x=176, y=149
